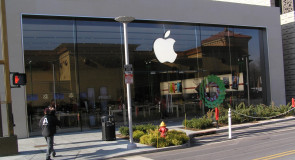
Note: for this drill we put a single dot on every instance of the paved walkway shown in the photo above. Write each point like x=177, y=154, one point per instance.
x=88, y=145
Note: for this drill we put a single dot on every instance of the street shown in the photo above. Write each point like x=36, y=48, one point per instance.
x=273, y=141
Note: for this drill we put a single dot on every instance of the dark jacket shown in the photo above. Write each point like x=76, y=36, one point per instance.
x=48, y=124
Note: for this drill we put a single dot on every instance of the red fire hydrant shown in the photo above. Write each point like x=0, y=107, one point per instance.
x=163, y=129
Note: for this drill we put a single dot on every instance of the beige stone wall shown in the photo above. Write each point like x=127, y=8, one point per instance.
x=287, y=18
x=288, y=34
x=251, y=2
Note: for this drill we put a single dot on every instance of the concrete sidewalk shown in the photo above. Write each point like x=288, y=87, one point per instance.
x=88, y=144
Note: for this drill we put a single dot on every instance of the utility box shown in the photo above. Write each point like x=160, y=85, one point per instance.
x=108, y=128
x=8, y=146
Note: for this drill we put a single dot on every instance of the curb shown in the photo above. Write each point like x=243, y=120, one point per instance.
x=259, y=123
x=239, y=126
x=154, y=150
x=201, y=133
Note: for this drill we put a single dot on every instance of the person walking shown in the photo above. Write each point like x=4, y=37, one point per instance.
x=52, y=113
x=48, y=124
x=52, y=105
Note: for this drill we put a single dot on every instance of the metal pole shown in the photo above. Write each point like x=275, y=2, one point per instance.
x=77, y=81
x=31, y=78
x=30, y=116
x=229, y=124
x=10, y=142
x=10, y=122
x=248, y=84
x=53, y=74
x=203, y=98
x=131, y=145
x=1, y=129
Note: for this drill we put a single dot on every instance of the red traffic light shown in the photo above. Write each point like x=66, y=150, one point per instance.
x=19, y=79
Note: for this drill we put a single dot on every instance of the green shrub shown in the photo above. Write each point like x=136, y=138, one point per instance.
x=210, y=113
x=162, y=142
x=144, y=127
x=199, y=123
x=257, y=112
x=173, y=138
x=137, y=134
x=236, y=118
x=223, y=119
x=150, y=138
x=189, y=123
x=124, y=130
x=145, y=139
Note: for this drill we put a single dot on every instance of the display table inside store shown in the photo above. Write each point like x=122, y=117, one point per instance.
x=156, y=107
x=68, y=119
x=144, y=109
x=115, y=111
x=175, y=106
x=112, y=110
x=141, y=107
x=91, y=119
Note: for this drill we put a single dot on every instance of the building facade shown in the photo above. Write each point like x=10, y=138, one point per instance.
x=73, y=54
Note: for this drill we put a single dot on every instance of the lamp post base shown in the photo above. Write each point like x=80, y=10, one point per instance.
x=131, y=146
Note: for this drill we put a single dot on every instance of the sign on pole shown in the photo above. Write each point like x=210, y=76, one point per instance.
x=128, y=73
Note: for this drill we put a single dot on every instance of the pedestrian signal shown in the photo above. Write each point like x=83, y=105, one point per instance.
x=19, y=79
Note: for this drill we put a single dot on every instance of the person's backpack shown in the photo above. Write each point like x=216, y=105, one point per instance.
x=46, y=131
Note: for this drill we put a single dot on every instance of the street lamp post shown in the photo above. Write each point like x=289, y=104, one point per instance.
x=11, y=145
x=125, y=20
x=246, y=58
x=248, y=80
x=53, y=76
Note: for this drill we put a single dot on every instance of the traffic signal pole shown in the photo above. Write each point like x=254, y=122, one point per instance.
x=8, y=145
x=5, y=62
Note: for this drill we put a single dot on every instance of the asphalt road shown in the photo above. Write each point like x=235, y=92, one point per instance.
x=274, y=141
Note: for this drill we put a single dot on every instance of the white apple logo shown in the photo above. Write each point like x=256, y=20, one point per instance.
x=164, y=50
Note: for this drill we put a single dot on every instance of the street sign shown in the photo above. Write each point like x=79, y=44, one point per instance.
x=129, y=78
x=128, y=73
x=128, y=69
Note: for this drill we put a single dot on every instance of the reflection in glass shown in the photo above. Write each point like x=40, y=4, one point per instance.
x=100, y=69
x=50, y=70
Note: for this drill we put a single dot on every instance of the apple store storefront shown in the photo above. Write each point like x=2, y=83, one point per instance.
x=79, y=64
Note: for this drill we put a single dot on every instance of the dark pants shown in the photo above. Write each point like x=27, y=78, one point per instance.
x=52, y=139
x=49, y=146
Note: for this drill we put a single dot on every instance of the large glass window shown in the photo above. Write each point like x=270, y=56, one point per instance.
x=100, y=70
x=79, y=63
x=50, y=69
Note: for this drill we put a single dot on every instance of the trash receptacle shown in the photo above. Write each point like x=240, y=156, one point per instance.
x=108, y=128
